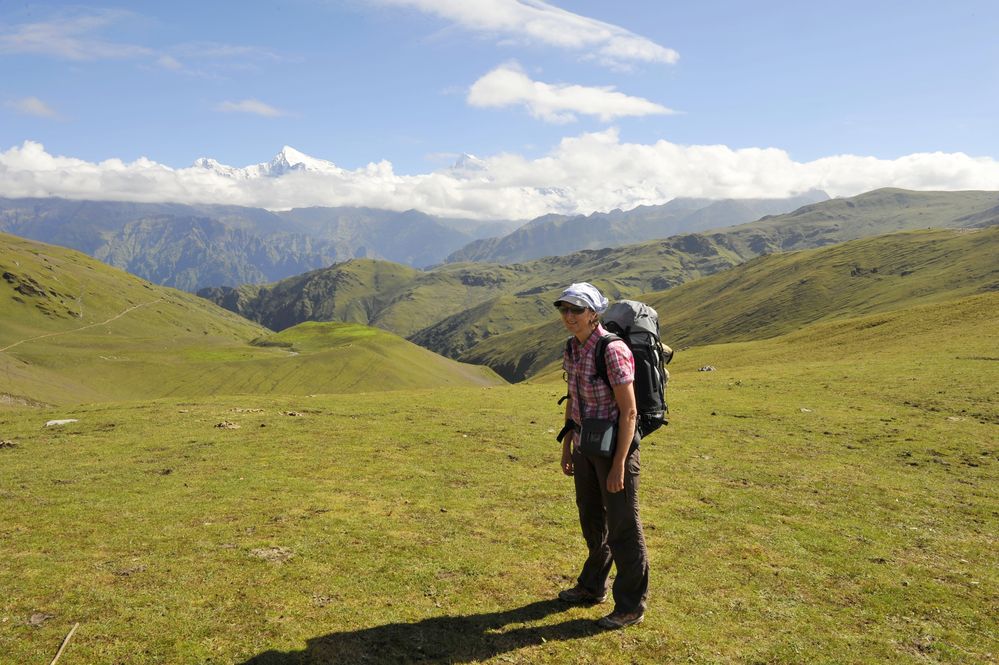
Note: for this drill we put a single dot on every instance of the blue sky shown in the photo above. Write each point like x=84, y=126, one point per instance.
x=571, y=106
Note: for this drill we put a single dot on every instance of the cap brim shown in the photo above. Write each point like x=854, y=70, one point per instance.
x=572, y=300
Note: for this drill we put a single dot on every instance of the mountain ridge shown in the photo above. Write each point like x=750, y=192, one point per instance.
x=235, y=244
x=559, y=234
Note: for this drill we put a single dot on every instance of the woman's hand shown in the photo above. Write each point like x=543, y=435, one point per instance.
x=624, y=395
x=615, y=479
x=567, y=466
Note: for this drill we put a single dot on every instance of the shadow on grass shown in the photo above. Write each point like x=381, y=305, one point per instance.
x=446, y=639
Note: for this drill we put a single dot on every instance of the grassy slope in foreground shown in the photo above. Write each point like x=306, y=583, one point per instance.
x=75, y=330
x=826, y=496
x=69, y=321
x=779, y=293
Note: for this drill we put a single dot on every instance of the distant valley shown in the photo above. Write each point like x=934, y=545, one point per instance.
x=456, y=308
x=194, y=246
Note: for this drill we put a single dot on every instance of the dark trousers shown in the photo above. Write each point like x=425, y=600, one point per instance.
x=612, y=529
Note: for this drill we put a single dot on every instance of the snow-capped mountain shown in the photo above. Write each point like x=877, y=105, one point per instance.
x=468, y=166
x=209, y=164
x=287, y=161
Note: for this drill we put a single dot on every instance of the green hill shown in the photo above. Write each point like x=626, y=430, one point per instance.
x=75, y=330
x=620, y=272
x=453, y=307
x=352, y=292
x=779, y=293
x=345, y=358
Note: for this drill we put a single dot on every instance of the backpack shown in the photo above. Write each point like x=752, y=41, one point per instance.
x=637, y=325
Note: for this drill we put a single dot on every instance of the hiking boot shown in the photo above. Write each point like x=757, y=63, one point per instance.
x=616, y=620
x=577, y=595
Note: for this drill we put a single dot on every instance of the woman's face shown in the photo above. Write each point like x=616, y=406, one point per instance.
x=577, y=320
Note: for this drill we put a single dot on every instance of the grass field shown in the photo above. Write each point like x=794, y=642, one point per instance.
x=829, y=496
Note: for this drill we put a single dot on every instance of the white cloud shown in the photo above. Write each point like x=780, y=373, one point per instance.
x=79, y=35
x=214, y=59
x=539, y=22
x=582, y=174
x=32, y=106
x=222, y=51
x=72, y=38
x=252, y=106
x=170, y=62
x=508, y=85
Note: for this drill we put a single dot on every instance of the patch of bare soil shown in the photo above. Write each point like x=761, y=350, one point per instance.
x=274, y=554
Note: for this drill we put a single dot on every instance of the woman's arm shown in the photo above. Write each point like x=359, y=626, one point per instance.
x=567, y=442
x=624, y=395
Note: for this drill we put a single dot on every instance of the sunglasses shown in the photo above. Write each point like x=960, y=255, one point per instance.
x=565, y=309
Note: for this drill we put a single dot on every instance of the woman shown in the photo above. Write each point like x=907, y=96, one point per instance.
x=606, y=487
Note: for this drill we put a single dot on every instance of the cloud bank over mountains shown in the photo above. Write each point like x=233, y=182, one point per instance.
x=209, y=90
x=582, y=174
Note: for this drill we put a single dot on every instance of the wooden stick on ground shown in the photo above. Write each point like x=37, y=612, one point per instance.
x=64, y=643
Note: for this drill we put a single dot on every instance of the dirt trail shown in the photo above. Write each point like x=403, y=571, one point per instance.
x=92, y=325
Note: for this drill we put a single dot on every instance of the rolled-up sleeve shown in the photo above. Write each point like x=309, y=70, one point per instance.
x=620, y=363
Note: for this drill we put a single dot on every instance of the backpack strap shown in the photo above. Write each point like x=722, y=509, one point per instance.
x=570, y=424
x=600, y=357
x=568, y=350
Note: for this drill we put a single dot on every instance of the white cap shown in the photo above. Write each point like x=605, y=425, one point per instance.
x=584, y=294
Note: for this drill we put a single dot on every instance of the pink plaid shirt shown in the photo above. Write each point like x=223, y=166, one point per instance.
x=580, y=366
